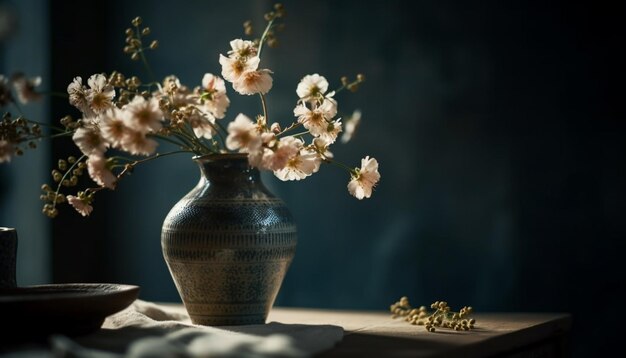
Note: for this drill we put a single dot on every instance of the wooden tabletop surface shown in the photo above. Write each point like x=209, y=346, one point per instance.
x=377, y=334
x=495, y=334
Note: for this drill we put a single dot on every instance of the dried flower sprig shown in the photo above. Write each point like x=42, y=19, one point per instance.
x=441, y=315
x=273, y=26
x=132, y=116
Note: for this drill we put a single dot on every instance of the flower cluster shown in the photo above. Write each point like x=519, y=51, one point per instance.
x=123, y=120
x=442, y=315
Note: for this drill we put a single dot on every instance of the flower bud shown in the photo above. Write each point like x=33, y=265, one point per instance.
x=137, y=21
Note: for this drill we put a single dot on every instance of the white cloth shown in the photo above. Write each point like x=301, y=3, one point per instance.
x=148, y=330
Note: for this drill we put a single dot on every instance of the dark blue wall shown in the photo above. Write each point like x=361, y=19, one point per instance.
x=499, y=128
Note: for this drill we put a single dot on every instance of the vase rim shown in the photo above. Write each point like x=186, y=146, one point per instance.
x=219, y=156
x=2, y=228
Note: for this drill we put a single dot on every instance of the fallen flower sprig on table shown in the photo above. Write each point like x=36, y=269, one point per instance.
x=441, y=317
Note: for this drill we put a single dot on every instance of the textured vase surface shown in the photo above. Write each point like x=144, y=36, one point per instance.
x=228, y=244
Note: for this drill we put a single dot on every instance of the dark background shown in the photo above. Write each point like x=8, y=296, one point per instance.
x=499, y=127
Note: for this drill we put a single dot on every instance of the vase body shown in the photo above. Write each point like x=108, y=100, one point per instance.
x=228, y=244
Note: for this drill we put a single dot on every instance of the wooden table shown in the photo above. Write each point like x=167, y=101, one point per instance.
x=376, y=334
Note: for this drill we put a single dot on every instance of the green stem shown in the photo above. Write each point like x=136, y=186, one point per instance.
x=221, y=127
x=188, y=144
x=143, y=57
x=118, y=159
x=217, y=130
x=340, y=89
x=188, y=131
x=291, y=127
x=341, y=165
x=46, y=125
x=355, y=82
x=262, y=41
x=186, y=135
x=300, y=133
x=56, y=193
x=52, y=136
x=132, y=165
x=167, y=139
x=158, y=155
x=264, y=104
x=59, y=135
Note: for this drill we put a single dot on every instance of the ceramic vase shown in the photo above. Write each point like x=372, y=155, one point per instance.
x=228, y=244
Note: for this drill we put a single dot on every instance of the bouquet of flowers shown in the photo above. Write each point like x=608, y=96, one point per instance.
x=123, y=119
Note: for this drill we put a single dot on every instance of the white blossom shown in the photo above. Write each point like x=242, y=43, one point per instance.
x=176, y=94
x=99, y=172
x=259, y=148
x=101, y=94
x=365, y=178
x=78, y=95
x=80, y=205
x=299, y=167
x=242, y=132
x=217, y=101
x=252, y=82
x=321, y=146
x=203, y=124
x=285, y=149
x=144, y=115
x=311, y=86
x=332, y=131
x=137, y=143
x=89, y=141
x=233, y=68
x=113, y=128
x=242, y=48
x=316, y=120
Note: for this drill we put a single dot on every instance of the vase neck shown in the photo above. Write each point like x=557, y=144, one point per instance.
x=228, y=169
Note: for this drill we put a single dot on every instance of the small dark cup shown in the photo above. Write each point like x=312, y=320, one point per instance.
x=8, y=254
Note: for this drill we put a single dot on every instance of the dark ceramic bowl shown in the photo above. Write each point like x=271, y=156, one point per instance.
x=34, y=312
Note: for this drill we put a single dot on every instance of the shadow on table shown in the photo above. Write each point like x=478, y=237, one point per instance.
x=376, y=345
x=355, y=344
